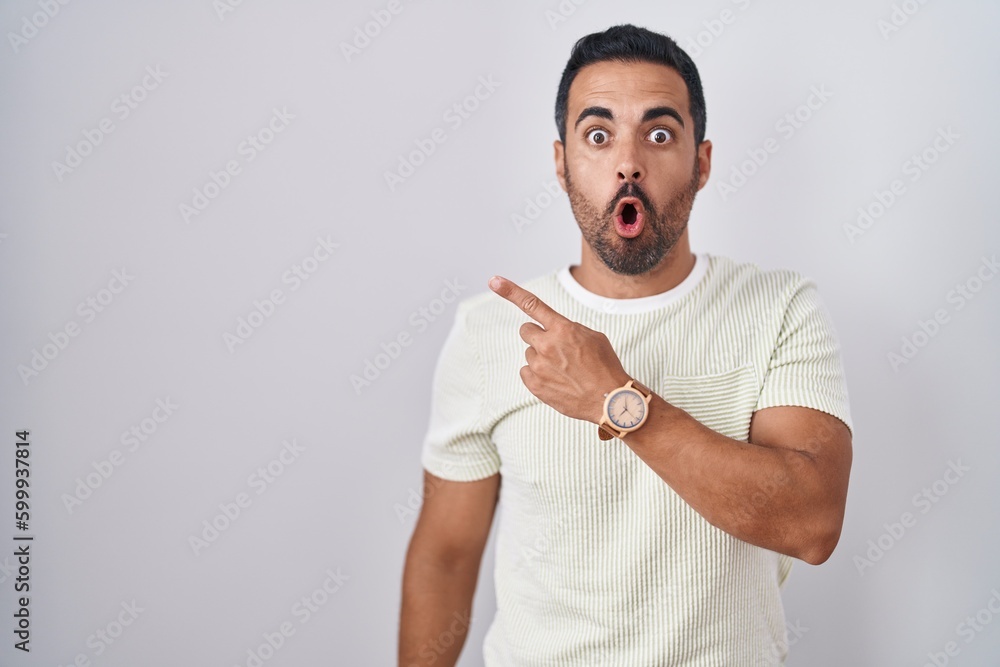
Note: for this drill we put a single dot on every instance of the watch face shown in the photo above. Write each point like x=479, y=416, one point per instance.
x=626, y=408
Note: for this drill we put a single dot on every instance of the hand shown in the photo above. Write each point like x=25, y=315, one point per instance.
x=570, y=367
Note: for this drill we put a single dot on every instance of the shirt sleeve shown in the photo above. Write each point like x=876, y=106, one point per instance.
x=806, y=368
x=457, y=446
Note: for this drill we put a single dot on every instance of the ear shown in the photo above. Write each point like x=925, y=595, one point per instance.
x=704, y=162
x=560, y=162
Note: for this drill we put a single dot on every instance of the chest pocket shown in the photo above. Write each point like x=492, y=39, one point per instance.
x=724, y=402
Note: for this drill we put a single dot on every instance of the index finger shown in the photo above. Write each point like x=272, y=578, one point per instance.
x=532, y=306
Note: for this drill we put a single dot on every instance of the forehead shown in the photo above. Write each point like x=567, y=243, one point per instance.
x=627, y=88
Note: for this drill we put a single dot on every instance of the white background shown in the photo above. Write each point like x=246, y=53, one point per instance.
x=341, y=504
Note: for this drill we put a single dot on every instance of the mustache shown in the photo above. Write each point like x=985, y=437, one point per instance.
x=630, y=190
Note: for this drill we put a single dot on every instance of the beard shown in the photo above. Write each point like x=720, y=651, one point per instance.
x=661, y=231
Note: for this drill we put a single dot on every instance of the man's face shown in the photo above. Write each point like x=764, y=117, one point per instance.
x=630, y=164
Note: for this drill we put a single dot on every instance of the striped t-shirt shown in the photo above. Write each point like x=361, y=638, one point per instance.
x=598, y=560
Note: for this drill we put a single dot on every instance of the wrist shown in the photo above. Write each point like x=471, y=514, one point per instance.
x=624, y=410
x=608, y=387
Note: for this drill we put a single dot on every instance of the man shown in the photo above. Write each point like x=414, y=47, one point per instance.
x=676, y=431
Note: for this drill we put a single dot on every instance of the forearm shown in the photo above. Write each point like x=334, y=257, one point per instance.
x=771, y=497
x=436, y=608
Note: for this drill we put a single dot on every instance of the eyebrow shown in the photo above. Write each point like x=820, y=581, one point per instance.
x=650, y=114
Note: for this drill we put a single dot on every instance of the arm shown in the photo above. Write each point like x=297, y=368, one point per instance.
x=442, y=567
x=784, y=490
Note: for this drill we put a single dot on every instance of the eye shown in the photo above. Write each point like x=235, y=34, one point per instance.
x=660, y=135
x=597, y=136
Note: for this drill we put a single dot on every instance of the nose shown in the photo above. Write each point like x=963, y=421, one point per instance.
x=630, y=168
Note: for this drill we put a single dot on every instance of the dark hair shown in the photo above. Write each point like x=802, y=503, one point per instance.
x=628, y=43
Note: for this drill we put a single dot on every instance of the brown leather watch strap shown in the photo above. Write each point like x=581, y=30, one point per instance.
x=605, y=434
x=642, y=388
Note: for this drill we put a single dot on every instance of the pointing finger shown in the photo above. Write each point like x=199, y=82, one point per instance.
x=532, y=306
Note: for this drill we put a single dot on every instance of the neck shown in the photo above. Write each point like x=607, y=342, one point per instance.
x=594, y=276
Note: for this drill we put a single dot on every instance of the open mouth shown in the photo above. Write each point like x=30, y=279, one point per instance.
x=629, y=217
x=629, y=214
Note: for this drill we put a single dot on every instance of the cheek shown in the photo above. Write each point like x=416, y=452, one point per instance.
x=603, y=163
x=673, y=177
x=592, y=178
x=580, y=158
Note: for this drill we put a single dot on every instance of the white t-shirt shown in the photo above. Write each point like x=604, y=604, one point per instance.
x=599, y=561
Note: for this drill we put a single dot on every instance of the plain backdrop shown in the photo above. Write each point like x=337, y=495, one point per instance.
x=199, y=193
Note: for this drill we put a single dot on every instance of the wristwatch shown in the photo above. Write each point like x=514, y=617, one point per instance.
x=625, y=410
